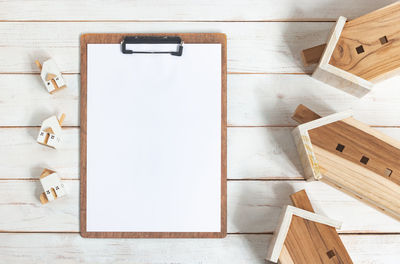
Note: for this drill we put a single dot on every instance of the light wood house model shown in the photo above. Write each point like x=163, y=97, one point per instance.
x=303, y=237
x=359, y=52
x=348, y=154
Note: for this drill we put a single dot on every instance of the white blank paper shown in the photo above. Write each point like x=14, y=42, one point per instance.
x=154, y=140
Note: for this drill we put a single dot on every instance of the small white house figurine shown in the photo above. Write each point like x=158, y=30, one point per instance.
x=50, y=132
x=51, y=76
x=52, y=186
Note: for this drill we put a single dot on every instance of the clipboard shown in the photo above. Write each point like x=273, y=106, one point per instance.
x=182, y=42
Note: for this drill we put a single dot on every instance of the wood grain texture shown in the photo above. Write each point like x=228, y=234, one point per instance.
x=335, y=77
x=295, y=220
x=323, y=242
x=300, y=200
x=22, y=157
x=302, y=115
x=71, y=248
x=378, y=154
x=374, y=57
x=360, y=182
x=270, y=100
x=26, y=102
x=254, y=100
x=262, y=200
x=187, y=38
x=320, y=240
x=272, y=47
x=312, y=55
x=254, y=153
x=351, y=156
x=181, y=10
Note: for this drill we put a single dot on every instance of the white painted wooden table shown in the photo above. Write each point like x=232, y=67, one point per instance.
x=266, y=81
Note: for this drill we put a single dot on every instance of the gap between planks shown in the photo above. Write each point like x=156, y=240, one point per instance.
x=229, y=73
x=228, y=126
x=248, y=179
x=238, y=234
x=175, y=21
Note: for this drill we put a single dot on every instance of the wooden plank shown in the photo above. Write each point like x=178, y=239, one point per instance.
x=178, y=10
x=24, y=212
x=262, y=200
x=23, y=157
x=259, y=100
x=272, y=47
x=26, y=102
x=383, y=249
x=71, y=248
x=253, y=153
x=253, y=100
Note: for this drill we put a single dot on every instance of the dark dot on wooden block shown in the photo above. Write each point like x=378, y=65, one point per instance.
x=383, y=40
x=388, y=172
x=364, y=160
x=330, y=254
x=340, y=147
x=360, y=49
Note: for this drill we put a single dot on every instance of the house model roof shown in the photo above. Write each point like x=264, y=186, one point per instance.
x=303, y=237
x=288, y=223
x=51, y=124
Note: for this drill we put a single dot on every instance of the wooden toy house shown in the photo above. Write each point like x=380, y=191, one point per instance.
x=303, y=237
x=51, y=76
x=359, y=52
x=50, y=131
x=349, y=155
x=52, y=186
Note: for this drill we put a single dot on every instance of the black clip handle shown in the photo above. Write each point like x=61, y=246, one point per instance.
x=152, y=40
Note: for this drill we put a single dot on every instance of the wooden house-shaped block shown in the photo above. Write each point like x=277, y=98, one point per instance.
x=50, y=132
x=359, y=52
x=349, y=155
x=53, y=188
x=303, y=237
x=51, y=76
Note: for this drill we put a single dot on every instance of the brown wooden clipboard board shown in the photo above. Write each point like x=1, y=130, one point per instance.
x=117, y=38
